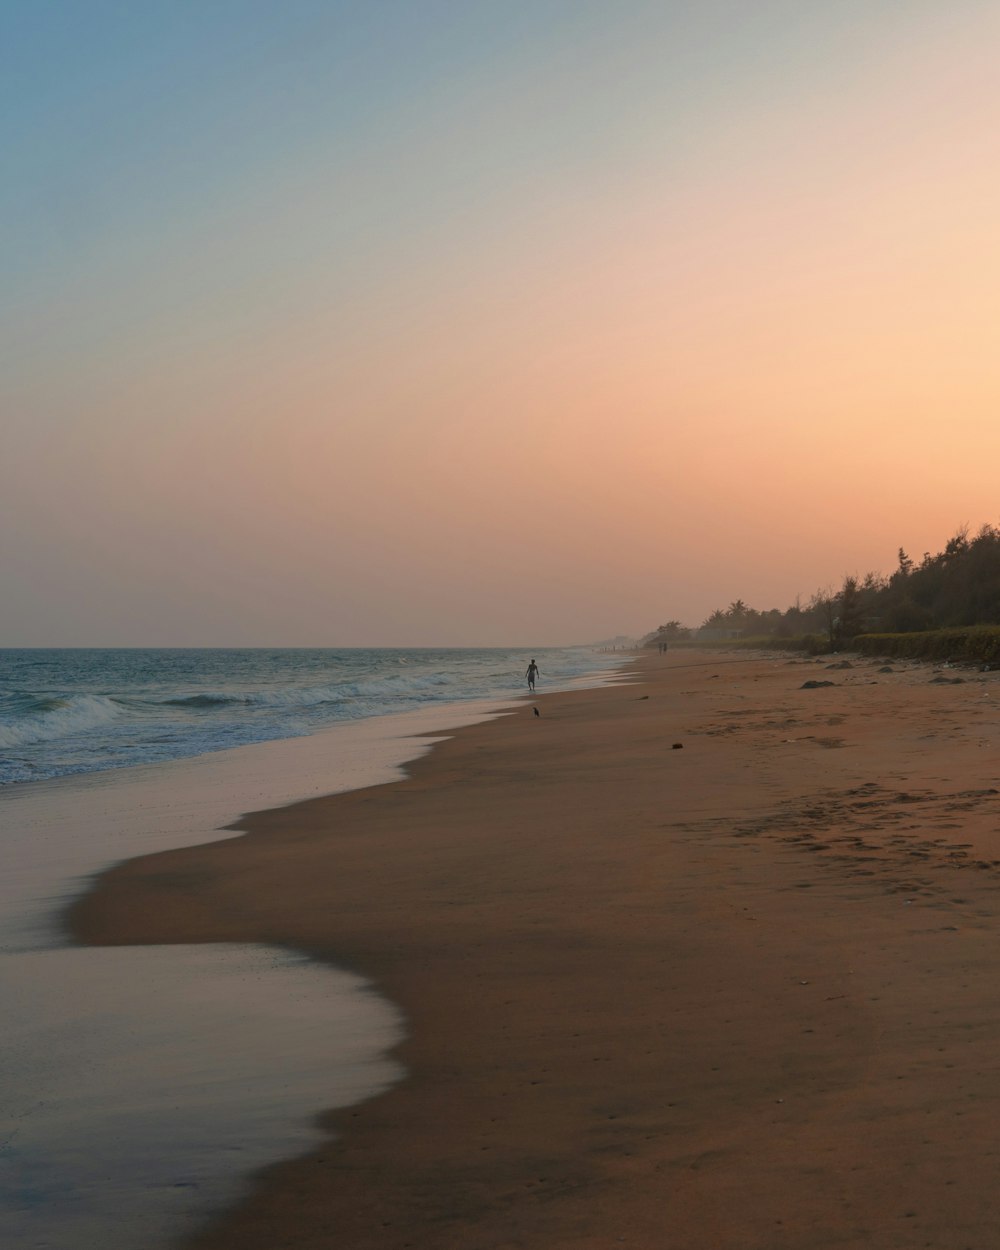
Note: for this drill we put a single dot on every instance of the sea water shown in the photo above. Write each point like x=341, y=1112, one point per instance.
x=81, y=711
x=142, y=1086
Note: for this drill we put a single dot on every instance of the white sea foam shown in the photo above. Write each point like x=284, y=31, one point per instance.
x=61, y=718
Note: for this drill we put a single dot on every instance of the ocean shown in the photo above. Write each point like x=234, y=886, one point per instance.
x=144, y=1086
x=83, y=711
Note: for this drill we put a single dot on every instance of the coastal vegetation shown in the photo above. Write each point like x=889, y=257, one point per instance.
x=947, y=606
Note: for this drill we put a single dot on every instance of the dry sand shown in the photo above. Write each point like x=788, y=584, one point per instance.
x=739, y=995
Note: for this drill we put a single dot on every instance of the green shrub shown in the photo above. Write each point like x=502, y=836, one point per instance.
x=974, y=644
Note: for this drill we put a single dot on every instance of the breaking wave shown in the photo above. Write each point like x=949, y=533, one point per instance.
x=45, y=719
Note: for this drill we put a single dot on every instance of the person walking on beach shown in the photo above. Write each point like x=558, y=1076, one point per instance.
x=531, y=674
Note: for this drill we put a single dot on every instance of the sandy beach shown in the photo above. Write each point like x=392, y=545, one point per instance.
x=737, y=994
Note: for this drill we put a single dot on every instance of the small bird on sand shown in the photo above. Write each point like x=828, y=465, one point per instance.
x=536, y=711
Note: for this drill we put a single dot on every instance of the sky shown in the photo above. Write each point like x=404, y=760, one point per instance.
x=460, y=322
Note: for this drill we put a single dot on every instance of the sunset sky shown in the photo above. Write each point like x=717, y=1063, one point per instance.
x=474, y=322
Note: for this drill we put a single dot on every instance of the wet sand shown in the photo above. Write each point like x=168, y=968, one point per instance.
x=741, y=994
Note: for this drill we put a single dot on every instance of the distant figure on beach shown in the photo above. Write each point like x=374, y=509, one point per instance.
x=531, y=674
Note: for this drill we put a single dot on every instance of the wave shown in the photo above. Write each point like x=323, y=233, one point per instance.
x=276, y=699
x=202, y=700
x=400, y=686
x=49, y=718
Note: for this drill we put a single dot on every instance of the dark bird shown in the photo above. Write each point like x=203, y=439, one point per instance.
x=536, y=711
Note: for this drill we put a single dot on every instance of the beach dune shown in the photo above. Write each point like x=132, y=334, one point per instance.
x=741, y=994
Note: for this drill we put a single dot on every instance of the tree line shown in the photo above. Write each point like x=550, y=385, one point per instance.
x=958, y=586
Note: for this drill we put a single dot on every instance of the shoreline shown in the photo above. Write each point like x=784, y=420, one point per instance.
x=652, y=995
x=98, y=1067
x=122, y=1123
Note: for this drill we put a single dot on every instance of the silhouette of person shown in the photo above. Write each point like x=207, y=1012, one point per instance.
x=531, y=674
